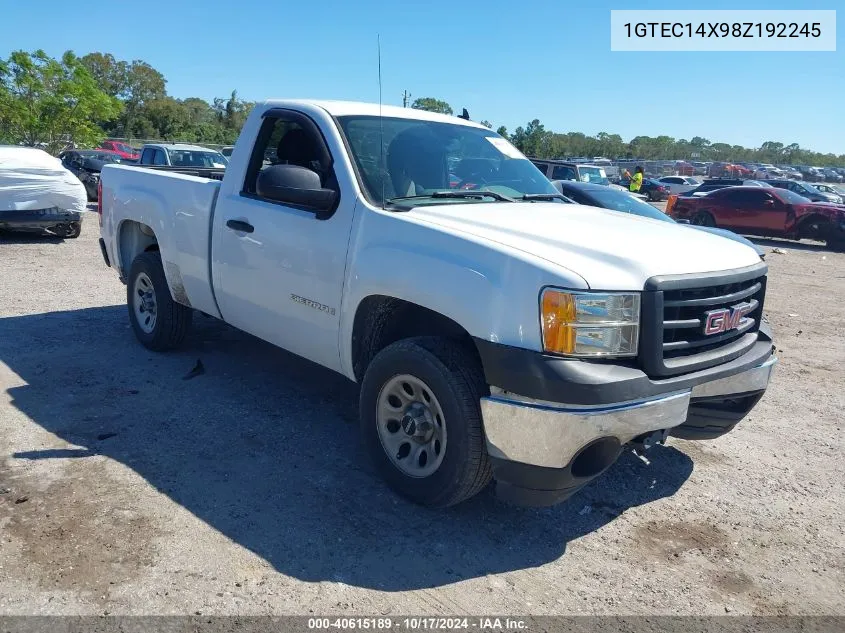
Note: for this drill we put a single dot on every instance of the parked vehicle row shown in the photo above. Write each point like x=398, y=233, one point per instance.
x=469, y=316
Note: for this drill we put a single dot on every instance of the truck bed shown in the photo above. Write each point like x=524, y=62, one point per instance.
x=179, y=208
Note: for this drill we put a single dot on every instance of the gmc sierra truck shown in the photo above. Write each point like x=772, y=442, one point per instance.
x=495, y=331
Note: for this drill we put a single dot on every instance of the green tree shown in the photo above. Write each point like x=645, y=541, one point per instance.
x=44, y=100
x=232, y=112
x=109, y=73
x=487, y=124
x=143, y=84
x=432, y=105
x=169, y=118
x=502, y=131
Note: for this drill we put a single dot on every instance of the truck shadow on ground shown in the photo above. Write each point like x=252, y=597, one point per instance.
x=263, y=446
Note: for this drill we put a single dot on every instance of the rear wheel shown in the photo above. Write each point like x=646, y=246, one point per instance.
x=158, y=321
x=421, y=421
x=704, y=218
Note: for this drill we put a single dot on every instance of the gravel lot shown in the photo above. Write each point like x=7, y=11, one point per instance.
x=126, y=489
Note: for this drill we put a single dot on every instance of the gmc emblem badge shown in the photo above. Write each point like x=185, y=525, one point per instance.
x=725, y=319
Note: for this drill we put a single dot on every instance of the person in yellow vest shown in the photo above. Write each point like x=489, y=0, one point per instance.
x=636, y=180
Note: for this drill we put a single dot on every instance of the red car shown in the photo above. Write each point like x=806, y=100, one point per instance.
x=121, y=149
x=765, y=211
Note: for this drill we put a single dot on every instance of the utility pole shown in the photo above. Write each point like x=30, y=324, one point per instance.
x=406, y=97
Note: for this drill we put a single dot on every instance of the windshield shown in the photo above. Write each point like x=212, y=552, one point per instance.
x=625, y=202
x=106, y=157
x=790, y=197
x=595, y=175
x=194, y=158
x=409, y=158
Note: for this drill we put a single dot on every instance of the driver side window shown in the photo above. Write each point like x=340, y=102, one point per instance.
x=563, y=173
x=285, y=140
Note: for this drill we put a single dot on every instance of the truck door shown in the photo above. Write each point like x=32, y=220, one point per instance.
x=278, y=268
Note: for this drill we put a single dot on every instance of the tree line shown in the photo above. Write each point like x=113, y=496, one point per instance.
x=85, y=99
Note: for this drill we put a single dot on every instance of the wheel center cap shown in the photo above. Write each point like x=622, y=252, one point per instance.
x=416, y=423
x=409, y=424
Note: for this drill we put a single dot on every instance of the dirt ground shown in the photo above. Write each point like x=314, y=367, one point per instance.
x=127, y=489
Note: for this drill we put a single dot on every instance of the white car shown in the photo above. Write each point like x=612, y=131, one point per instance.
x=680, y=184
x=495, y=331
x=768, y=172
x=38, y=194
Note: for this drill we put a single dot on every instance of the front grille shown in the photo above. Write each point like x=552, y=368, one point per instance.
x=675, y=313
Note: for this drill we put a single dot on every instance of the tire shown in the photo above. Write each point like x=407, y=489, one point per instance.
x=74, y=230
x=836, y=244
x=167, y=322
x=704, y=218
x=67, y=231
x=456, y=384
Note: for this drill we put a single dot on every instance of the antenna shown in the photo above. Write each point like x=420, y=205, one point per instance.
x=382, y=166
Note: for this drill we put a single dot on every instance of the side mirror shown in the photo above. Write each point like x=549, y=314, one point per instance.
x=295, y=185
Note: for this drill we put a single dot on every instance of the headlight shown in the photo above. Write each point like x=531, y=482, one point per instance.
x=590, y=323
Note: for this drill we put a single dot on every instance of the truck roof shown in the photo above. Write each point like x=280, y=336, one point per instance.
x=346, y=108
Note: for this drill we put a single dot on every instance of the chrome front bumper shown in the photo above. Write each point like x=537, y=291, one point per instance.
x=551, y=435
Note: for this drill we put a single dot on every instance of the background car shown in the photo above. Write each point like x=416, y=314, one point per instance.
x=605, y=198
x=651, y=188
x=181, y=155
x=123, y=150
x=86, y=164
x=38, y=194
x=771, y=212
x=831, y=175
x=806, y=190
x=791, y=172
x=764, y=172
x=679, y=184
x=836, y=190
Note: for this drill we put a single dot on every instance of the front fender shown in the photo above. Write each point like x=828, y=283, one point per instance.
x=492, y=293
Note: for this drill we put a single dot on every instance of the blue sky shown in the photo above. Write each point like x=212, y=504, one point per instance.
x=505, y=61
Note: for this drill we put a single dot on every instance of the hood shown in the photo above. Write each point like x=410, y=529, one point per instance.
x=729, y=235
x=828, y=207
x=609, y=249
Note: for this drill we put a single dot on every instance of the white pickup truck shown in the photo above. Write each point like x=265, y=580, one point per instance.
x=495, y=331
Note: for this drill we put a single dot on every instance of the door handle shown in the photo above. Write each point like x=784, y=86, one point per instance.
x=240, y=225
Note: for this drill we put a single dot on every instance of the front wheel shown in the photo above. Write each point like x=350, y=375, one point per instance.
x=158, y=321
x=421, y=420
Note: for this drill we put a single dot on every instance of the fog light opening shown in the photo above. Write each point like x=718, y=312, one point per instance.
x=595, y=457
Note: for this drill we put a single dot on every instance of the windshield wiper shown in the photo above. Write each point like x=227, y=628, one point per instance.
x=462, y=194
x=545, y=196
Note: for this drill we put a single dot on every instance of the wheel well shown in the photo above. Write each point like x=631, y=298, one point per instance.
x=381, y=320
x=814, y=227
x=135, y=238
